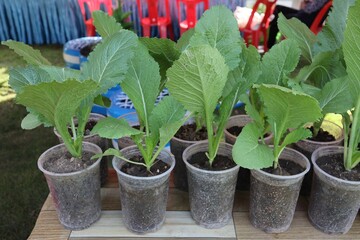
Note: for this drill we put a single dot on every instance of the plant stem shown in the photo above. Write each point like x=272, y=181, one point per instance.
x=354, y=128
x=73, y=129
x=317, y=126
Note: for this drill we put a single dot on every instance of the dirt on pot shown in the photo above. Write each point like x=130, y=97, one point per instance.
x=322, y=136
x=158, y=168
x=188, y=132
x=201, y=161
x=334, y=165
x=65, y=163
x=285, y=168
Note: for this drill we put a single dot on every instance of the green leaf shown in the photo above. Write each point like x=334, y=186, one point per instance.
x=109, y=62
x=31, y=121
x=108, y=152
x=295, y=136
x=279, y=62
x=197, y=79
x=184, y=41
x=105, y=25
x=102, y=101
x=141, y=84
x=218, y=28
x=335, y=97
x=21, y=77
x=112, y=128
x=59, y=74
x=295, y=29
x=164, y=52
x=30, y=55
x=248, y=152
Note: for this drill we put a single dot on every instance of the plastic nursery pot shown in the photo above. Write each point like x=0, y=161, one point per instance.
x=273, y=198
x=243, y=181
x=103, y=143
x=76, y=195
x=334, y=203
x=143, y=199
x=211, y=193
x=307, y=147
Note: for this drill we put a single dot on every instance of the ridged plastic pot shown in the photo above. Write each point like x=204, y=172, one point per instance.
x=143, y=199
x=211, y=193
x=243, y=181
x=273, y=198
x=103, y=143
x=334, y=203
x=307, y=147
x=76, y=195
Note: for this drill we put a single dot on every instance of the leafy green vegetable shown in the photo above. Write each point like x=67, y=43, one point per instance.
x=104, y=24
x=184, y=40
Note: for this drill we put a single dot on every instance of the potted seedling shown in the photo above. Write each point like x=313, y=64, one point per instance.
x=335, y=196
x=199, y=79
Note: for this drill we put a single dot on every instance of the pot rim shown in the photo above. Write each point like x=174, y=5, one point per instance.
x=338, y=141
x=307, y=168
x=338, y=149
x=144, y=178
x=62, y=145
x=208, y=171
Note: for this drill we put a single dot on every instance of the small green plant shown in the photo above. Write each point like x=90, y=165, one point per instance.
x=122, y=17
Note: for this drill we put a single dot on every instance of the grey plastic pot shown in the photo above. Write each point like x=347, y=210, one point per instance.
x=76, y=195
x=243, y=181
x=211, y=193
x=143, y=199
x=273, y=198
x=307, y=147
x=334, y=203
x=103, y=143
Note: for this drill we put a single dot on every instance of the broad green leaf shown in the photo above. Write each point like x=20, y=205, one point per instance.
x=351, y=48
x=295, y=136
x=21, y=77
x=252, y=112
x=335, y=97
x=218, y=28
x=114, y=128
x=332, y=34
x=295, y=29
x=141, y=83
x=30, y=55
x=197, y=79
x=59, y=74
x=286, y=109
x=168, y=130
x=248, y=152
x=31, y=121
x=164, y=52
x=184, y=41
x=102, y=101
x=246, y=73
x=279, y=62
x=109, y=61
x=105, y=25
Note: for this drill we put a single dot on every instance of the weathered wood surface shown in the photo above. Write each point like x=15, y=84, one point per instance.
x=179, y=224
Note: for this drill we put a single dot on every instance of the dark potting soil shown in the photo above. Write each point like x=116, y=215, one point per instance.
x=236, y=130
x=285, y=168
x=322, y=136
x=201, y=161
x=85, y=51
x=67, y=164
x=157, y=168
x=88, y=127
x=188, y=132
x=334, y=165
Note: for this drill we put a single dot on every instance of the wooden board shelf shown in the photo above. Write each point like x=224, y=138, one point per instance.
x=178, y=224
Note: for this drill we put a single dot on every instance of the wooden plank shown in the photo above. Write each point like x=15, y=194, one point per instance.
x=178, y=224
x=48, y=227
x=300, y=228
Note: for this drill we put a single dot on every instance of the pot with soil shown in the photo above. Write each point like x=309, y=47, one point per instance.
x=133, y=121
x=143, y=194
x=74, y=184
x=211, y=188
x=335, y=194
x=185, y=136
x=93, y=138
x=232, y=130
x=330, y=134
x=274, y=192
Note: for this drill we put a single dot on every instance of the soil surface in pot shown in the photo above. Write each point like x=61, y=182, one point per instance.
x=88, y=127
x=188, y=132
x=334, y=165
x=323, y=136
x=65, y=163
x=201, y=161
x=157, y=168
x=285, y=168
x=236, y=130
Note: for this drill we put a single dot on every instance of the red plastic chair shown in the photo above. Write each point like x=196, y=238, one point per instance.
x=190, y=9
x=318, y=22
x=153, y=18
x=93, y=5
x=253, y=33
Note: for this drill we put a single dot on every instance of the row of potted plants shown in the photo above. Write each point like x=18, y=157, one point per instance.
x=206, y=72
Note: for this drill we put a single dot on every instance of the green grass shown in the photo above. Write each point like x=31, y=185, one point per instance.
x=23, y=188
